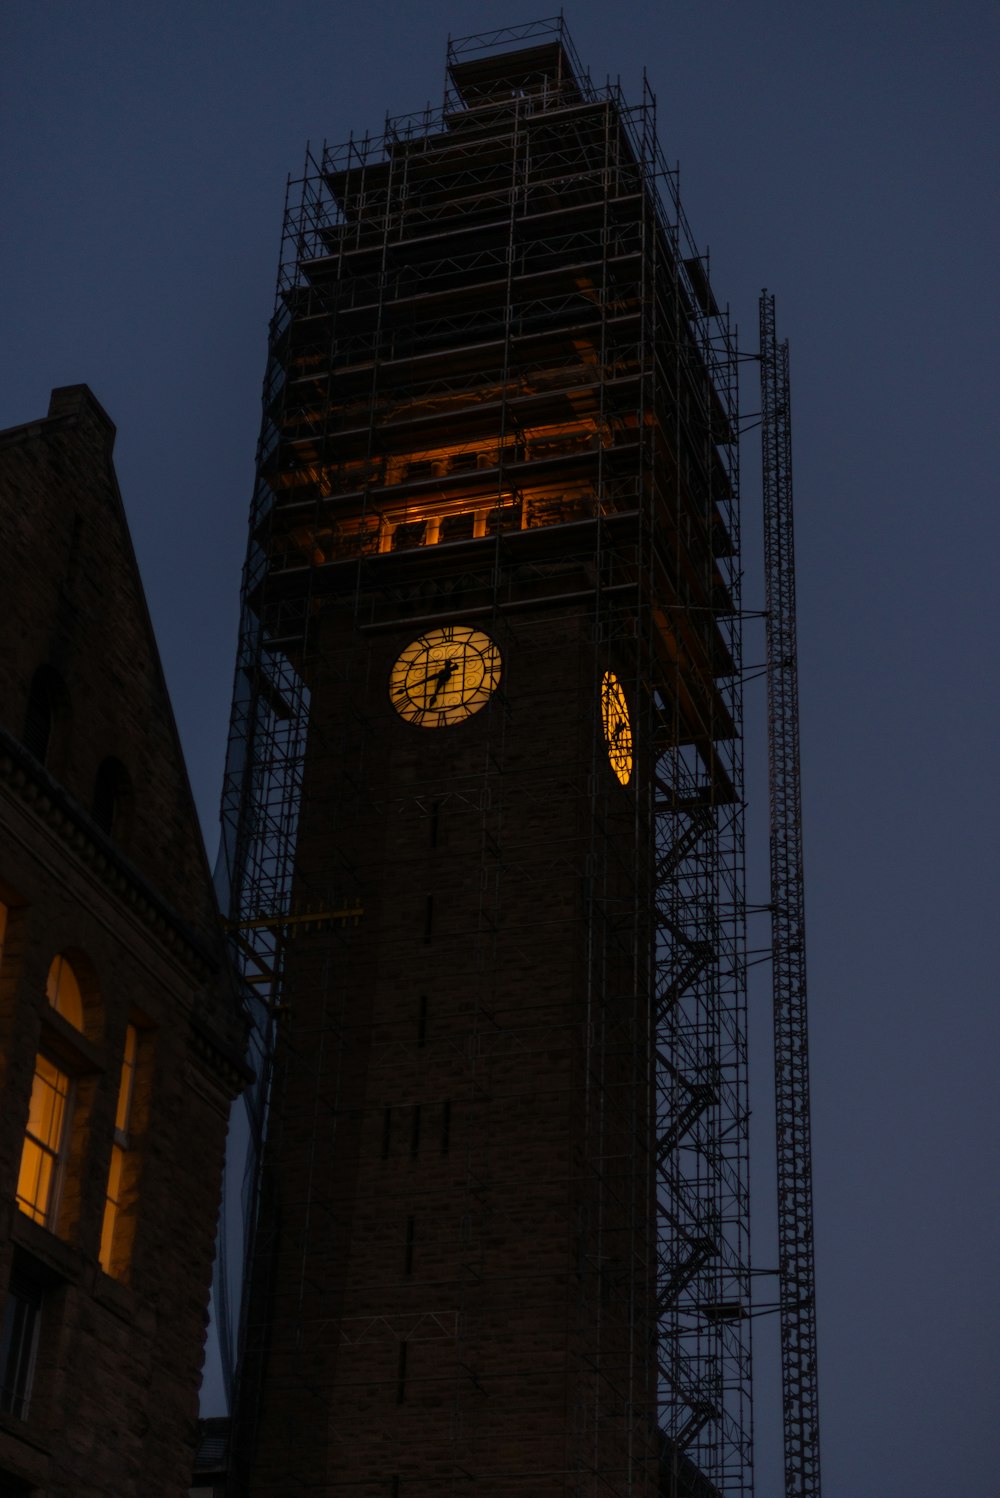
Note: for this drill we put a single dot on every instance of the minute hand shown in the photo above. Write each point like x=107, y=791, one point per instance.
x=443, y=674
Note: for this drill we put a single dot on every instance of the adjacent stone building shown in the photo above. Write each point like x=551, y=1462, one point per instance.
x=121, y=1035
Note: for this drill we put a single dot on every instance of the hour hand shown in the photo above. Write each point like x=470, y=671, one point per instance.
x=442, y=677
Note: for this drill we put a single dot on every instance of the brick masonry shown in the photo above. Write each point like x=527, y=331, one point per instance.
x=113, y=1400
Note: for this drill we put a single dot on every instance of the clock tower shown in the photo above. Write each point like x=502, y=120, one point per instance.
x=483, y=818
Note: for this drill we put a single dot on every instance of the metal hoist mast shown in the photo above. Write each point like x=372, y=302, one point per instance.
x=797, y=1306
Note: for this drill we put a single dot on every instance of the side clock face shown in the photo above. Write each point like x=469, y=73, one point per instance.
x=617, y=726
x=445, y=676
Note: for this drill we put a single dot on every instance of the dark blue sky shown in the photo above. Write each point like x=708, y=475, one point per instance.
x=845, y=157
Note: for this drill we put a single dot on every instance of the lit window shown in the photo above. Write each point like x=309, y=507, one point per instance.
x=47, y=1134
x=18, y=1339
x=119, y=1150
x=63, y=992
x=44, y=1142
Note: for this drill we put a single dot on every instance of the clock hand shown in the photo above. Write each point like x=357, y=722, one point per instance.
x=432, y=676
x=442, y=677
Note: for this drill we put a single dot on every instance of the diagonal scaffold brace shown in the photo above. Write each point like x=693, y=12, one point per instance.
x=797, y=1306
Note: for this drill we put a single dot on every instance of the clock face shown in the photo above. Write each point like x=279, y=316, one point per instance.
x=617, y=726
x=445, y=676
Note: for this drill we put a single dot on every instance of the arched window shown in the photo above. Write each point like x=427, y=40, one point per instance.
x=47, y=701
x=46, y=1136
x=112, y=793
x=63, y=992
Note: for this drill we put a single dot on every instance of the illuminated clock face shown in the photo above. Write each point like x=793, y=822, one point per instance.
x=617, y=726
x=445, y=676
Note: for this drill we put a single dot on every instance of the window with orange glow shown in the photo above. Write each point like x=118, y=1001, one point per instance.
x=63, y=992
x=44, y=1142
x=46, y=1136
x=119, y=1150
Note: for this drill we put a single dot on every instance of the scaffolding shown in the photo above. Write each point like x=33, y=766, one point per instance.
x=796, y=1258
x=499, y=392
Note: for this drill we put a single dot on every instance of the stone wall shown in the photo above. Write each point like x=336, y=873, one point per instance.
x=112, y=1403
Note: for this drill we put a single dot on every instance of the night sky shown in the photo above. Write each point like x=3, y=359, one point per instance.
x=846, y=158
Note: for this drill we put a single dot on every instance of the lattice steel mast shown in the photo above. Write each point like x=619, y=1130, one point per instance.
x=791, y=1052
